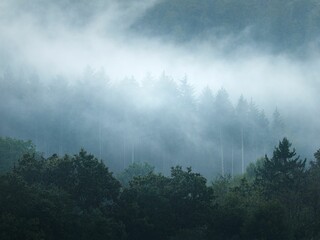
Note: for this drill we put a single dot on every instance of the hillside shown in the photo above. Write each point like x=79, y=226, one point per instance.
x=285, y=25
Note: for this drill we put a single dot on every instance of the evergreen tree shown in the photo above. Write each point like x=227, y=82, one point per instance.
x=277, y=126
x=11, y=150
x=283, y=172
x=242, y=113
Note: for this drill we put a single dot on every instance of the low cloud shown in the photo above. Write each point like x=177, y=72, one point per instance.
x=56, y=42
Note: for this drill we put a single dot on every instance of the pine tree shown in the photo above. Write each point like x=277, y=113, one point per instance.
x=283, y=172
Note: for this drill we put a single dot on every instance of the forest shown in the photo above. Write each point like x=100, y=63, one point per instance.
x=77, y=197
x=159, y=119
x=289, y=26
x=282, y=26
x=161, y=122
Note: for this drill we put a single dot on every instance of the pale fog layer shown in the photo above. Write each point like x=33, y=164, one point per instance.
x=55, y=41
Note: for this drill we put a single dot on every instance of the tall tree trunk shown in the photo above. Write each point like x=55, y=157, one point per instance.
x=221, y=152
x=124, y=152
x=232, y=159
x=100, y=139
x=242, y=152
x=132, y=153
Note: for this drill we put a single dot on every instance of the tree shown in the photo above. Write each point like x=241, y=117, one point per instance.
x=11, y=150
x=283, y=172
x=145, y=209
x=312, y=196
x=317, y=156
x=277, y=126
x=282, y=179
x=252, y=169
x=242, y=111
x=206, y=114
x=190, y=198
x=34, y=211
x=59, y=198
x=228, y=211
x=134, y=170
x=86, y=178
x=266, y=221
x=186, y=95
x=159, y=207
x=224, y=113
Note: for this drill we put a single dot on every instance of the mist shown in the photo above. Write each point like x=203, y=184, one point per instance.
x=75, y=47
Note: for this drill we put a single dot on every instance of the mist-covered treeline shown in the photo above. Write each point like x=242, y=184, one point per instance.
x=148, y=129
x=159, y=121
x=77, y=197
x=284, y=25
x=154, y=119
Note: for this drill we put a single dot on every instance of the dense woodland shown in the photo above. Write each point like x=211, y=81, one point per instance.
x=77, y=197
x=163, y=159
x=159, y=121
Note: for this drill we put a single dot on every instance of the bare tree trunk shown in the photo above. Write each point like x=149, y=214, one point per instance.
x=222, y=157
x=124, y=152
x=242, y=152
x=132, y=153
x=100, y=139
x=232, y=159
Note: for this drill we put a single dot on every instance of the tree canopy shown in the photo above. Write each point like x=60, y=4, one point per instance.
x=77, y=197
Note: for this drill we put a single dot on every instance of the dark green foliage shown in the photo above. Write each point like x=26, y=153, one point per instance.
x=134, y=170
x=231, y=204
x=31, y=169
x=145, y=208
x=312, y=196
x=283, y=178
x=266, y=221
x=283, y=172
x=59, y=198
x=317, y=156
x=89, y=181
x=85, y=178
x=252, y=169
x=11, y=150
x=33, y=211
x=166, y=207
x=188, y=190
x=76, y=197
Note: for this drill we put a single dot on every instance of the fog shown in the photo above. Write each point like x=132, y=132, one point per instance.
x=68, y=42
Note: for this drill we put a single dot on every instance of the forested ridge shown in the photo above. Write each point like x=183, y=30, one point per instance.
x=283, y=26
x=159, y=121
x=287, y=25
x=77, y=197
